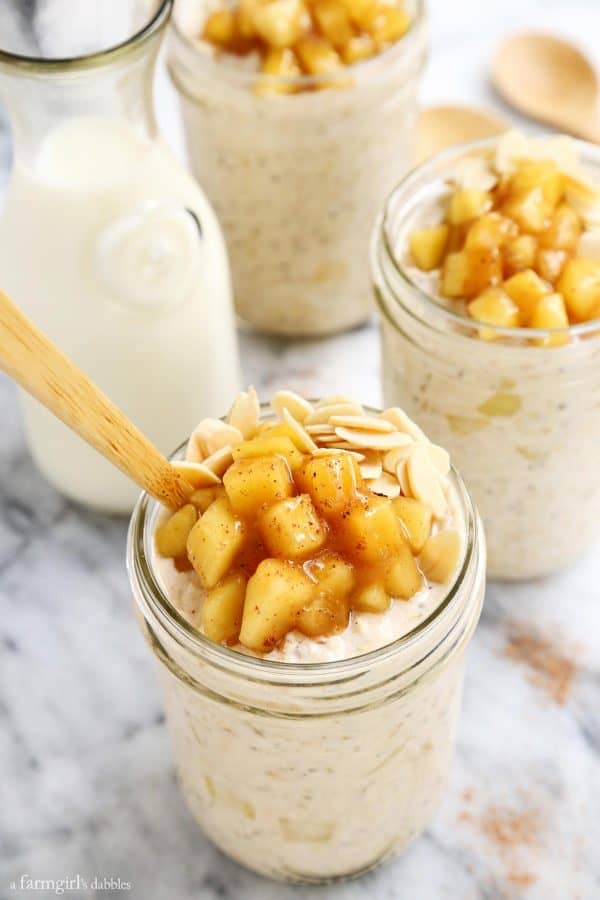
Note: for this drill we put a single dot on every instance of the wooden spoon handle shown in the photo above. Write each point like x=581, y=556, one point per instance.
x=34, y=362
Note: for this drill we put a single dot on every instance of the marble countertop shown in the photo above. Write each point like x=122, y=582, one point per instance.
x=87, y=777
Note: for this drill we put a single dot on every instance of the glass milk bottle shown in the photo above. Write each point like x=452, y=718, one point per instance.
x=105, y=241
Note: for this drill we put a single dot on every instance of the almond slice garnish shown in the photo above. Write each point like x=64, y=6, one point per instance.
x=333, y=451
x=362, y=423
x=386, y=484
x=439, y=457
x=398, y=417
x=208, y=436
x=245, y=413
x=393, y=456
x=371, y=440
x=402, y=476
x=319, y=429
x=329, y=438
x=322, y=414
x=196, y=474
x=424, y=481
x=335, y=399
x=372, y=466
x=307, y=445
x=219, y=461
x=298, y=407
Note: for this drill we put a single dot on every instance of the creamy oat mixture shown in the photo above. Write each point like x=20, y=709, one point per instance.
x=297, y=179
x=365, y=631
x=519, y=416
x=321, y=778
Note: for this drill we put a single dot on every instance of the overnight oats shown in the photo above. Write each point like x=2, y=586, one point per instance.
x=299, y=120
x=486, y=265
x=310, y=607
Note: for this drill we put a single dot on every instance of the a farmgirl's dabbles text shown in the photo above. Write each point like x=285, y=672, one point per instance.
x=321, y=534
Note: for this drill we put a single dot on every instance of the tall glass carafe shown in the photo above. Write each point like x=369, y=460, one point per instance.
x=105, y=241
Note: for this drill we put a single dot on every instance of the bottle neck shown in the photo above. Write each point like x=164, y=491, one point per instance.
x=39, y=101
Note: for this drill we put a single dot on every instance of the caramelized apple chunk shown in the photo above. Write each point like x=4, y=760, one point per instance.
x=329, y=610
x=331, y=482
x=416, y=517
x=222, y=609
x=369, y=530
x=171, y=537
x=214, y=541
x=275, y=596
x=580, y=286
x=427, y=246
x=254, y=483
x=291, y=528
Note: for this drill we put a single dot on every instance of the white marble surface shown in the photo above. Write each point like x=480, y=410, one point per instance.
x=86, y=773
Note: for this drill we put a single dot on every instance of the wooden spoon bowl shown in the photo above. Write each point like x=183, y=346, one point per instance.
x=550, y=80
x=441, y=127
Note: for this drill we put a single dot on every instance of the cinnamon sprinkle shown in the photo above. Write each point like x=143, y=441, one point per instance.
x=552, y=668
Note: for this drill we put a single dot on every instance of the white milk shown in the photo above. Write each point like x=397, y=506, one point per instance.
x=97, y=246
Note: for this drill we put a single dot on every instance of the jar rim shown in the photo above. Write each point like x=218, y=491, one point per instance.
x=431, y=303
x=333, y=79
x=111, y=53
x=151, y=598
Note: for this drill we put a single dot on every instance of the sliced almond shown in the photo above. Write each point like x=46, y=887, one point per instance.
x=305, y=442
x=402, y=476
x=219, y=461
x=196, y=474
x=398, y=417
x=371, y=440
x=440, y=555
x=319, y=429
x=333, y=451
x=425, y=482
x=245, y=413
x=439, y=457
x=208, y=436
x=474, y=173
x=386, y=485
x=372, y=466
x=333, y=399
x=363, y=423
x=329, y=438
x=343, y=445
x=322, y=414
x=393, y=456
x=298, y=407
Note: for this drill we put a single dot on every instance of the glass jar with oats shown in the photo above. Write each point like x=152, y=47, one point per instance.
x=486, y=265
x=299, y=119
x=310, y=608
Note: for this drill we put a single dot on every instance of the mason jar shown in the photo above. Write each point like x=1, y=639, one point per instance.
x=520, y=421
x=317, y=771
x=297, y=178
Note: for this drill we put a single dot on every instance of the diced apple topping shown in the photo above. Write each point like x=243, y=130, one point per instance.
x=214, y=542
x=305, y=37
x=310, y=522
x=516, y=254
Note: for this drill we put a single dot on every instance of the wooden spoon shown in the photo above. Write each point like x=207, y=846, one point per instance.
x=440, y=127
x=550, y=80
x=34, y=362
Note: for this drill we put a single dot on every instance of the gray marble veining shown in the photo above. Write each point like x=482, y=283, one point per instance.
x=87, y=785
